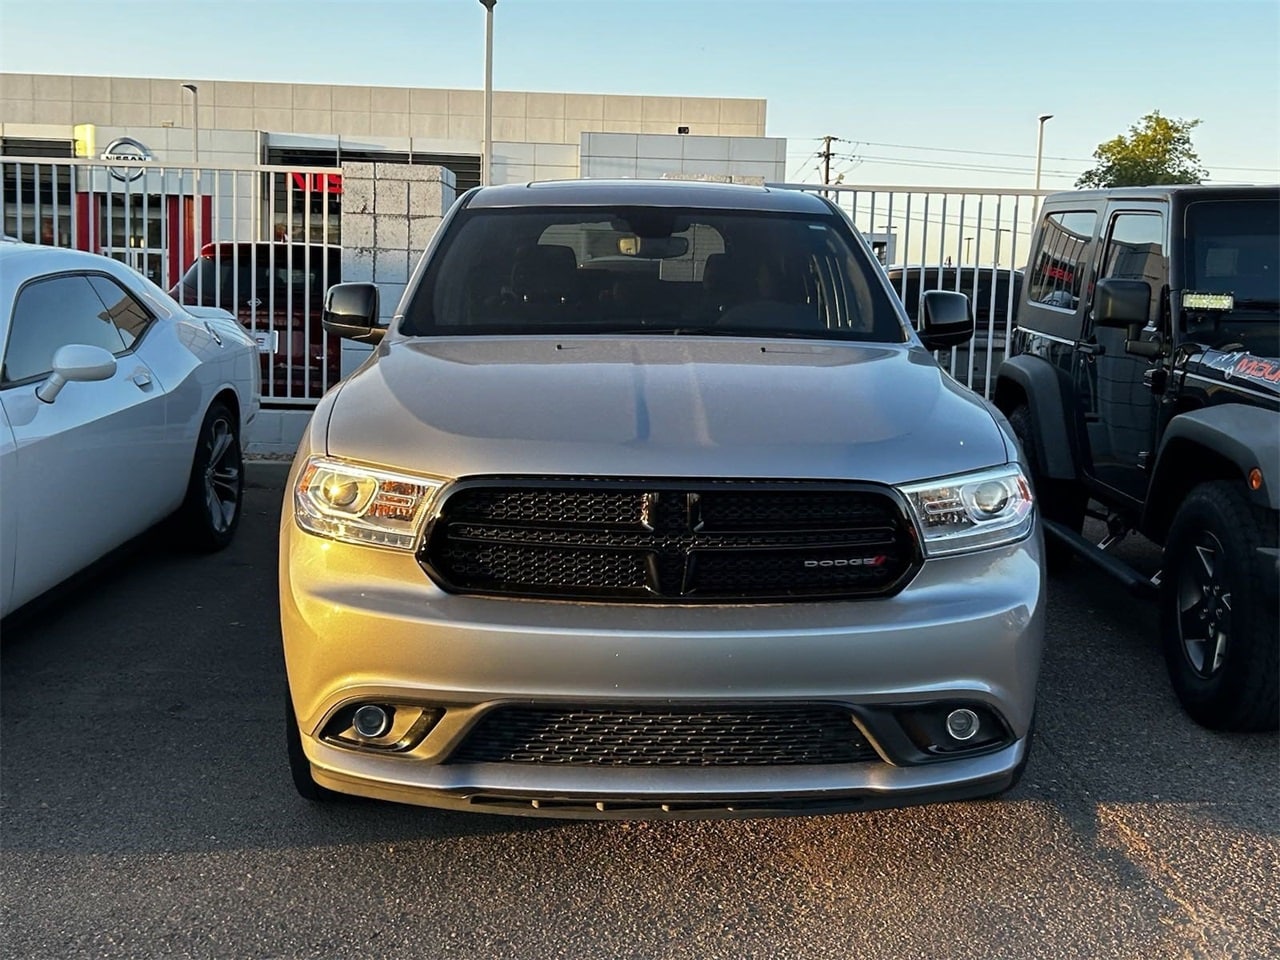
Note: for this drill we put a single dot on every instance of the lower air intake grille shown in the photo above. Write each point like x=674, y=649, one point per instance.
x=697, y=737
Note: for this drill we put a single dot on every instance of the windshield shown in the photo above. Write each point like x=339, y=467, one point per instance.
x=1233, y=246
x=655, y=270
x=207, y=275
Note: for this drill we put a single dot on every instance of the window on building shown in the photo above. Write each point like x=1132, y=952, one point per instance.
x=32, y=147
x=36, y=199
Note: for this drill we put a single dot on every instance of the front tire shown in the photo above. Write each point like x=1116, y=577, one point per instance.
x=210, y=514
x=1218, y=617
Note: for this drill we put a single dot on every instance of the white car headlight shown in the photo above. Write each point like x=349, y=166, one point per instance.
x=971, y=511
x=358, y=504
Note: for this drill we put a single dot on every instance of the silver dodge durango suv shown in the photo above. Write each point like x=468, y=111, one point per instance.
x=651, y=503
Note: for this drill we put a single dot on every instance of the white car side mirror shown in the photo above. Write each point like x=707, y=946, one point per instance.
x=79, y=362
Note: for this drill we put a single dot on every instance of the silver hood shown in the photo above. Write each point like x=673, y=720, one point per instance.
x=661, y=407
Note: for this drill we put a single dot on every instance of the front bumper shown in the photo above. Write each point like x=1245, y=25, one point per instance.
x=367, y=624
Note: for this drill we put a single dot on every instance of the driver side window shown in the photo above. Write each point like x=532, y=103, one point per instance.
x=51, y=313
x=1135, y=251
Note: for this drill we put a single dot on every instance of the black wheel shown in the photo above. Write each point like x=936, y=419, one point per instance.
x=1062, y=501
x=1218, y=618
x=209, y=515
x=299, y=765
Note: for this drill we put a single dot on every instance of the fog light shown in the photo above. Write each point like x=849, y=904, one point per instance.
x=372, y=721
x=962, y=724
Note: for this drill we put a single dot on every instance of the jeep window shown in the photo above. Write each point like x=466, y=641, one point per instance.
x=1135, y=251
x=651, y=270
x=1231, y=248
x=1058, y=267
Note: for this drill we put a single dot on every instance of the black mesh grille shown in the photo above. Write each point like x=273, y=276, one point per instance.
x=592, y=507
x=659, y=541
x=697, y=737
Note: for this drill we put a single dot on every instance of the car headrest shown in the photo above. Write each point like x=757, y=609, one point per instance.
x=545, y=271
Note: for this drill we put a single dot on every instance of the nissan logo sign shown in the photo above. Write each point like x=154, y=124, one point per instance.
x=128, y=150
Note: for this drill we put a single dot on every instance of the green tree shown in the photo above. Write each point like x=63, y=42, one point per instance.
x=1157, y=150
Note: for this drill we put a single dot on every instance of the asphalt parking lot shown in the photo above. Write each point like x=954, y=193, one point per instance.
x=147, y=812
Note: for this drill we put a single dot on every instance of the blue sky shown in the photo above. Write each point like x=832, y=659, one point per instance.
x=892, y=77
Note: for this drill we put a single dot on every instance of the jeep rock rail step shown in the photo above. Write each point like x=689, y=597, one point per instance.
x=1137, y=584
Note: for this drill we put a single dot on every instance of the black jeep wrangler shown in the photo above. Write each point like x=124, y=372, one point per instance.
x=1145, y=377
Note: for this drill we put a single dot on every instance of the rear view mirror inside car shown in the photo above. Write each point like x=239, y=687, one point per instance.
x=653, y=248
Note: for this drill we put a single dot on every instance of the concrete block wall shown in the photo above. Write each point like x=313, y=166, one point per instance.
x=390, y=212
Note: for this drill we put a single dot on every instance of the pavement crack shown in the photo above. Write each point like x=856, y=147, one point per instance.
x=1203, y=926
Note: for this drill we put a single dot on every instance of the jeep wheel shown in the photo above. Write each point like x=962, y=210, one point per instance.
x=1218, y=625
x=1062, y=501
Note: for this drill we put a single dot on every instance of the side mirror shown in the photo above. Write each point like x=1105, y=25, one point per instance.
x=351, y=311
x=1121, y=303
x=77, y=362
x=945, y=319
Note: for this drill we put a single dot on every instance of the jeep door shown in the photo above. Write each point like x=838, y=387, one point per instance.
x=1118, y=406
x=1051, y=315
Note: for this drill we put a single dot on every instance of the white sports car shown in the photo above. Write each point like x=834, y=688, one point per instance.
x=118, y=409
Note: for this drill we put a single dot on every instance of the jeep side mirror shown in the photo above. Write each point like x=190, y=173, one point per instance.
x=351, y=311
x=945, y=319
x=1121, y=303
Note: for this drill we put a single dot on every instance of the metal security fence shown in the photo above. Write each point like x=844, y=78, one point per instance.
x=263, y=241
x=260, y=241
x=971, y=240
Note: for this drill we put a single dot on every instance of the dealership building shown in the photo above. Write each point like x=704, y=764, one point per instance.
x=301, y=128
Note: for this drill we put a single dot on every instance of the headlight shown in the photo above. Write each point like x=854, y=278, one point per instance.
x=972, y=511
x=358, y=504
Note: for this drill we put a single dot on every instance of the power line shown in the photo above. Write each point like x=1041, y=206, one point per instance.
x=945, y=165
x=1027, y=156
x=805, y=161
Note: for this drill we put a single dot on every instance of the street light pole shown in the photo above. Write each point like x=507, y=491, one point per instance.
x=1043, y=118
x=195, y=120
x=488, y=91
x=968, y=242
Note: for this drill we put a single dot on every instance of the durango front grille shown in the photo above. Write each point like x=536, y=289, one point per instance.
x=670, y=541
x=756, y=735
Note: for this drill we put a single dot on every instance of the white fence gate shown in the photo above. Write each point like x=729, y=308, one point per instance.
x=974, y=241
x=260, y=241
x=263, y=242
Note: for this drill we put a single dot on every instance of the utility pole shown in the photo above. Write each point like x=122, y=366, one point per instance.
x=825, y=154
